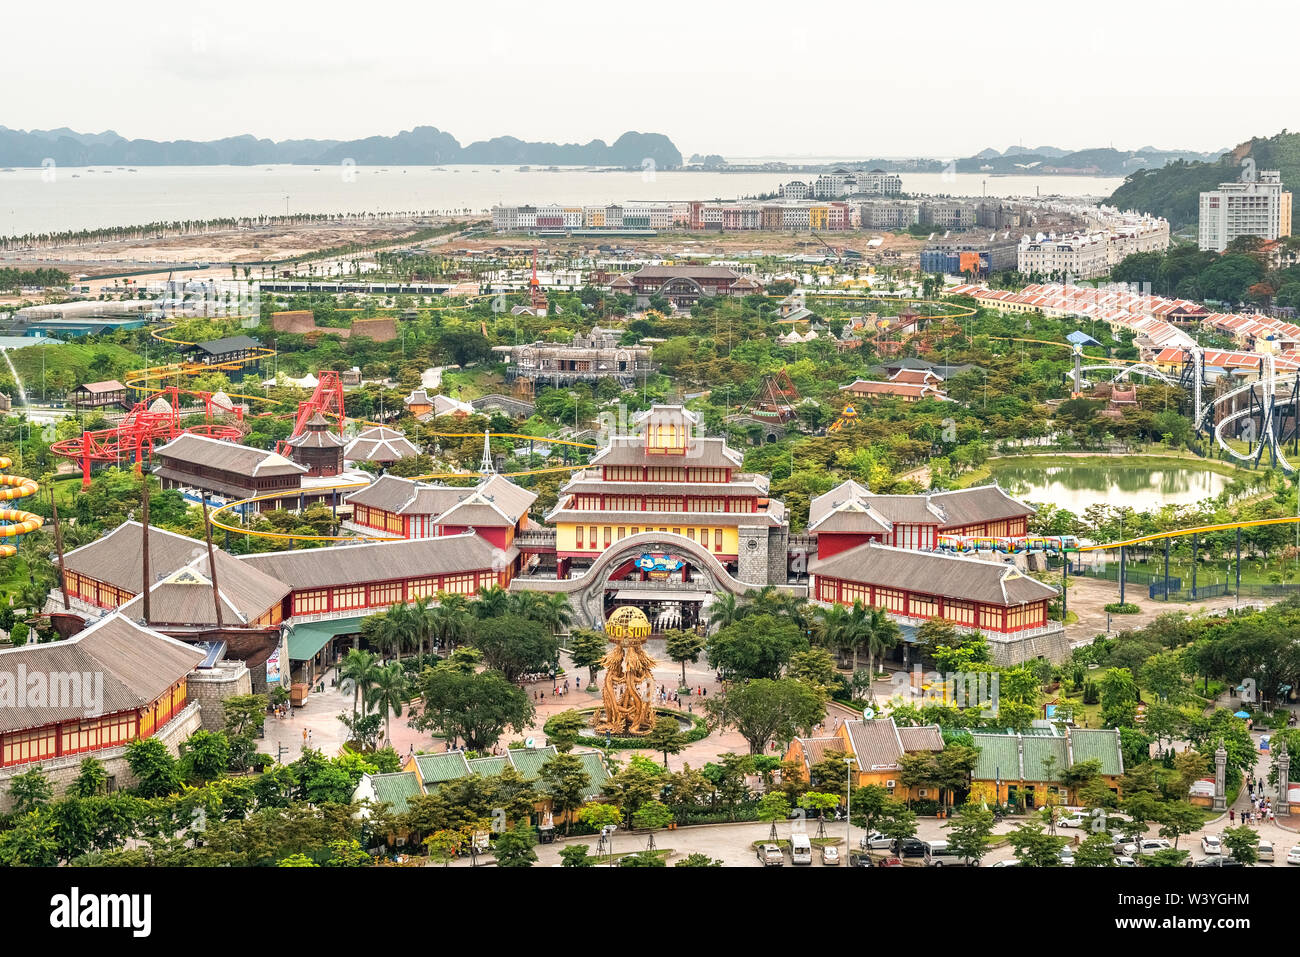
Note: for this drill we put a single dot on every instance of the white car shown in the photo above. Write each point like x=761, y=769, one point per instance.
x=1012, y=862
x=1265, y=851
x=1149, y=845
x=1125, y=861
x=1124, y=848
x=1211, y=844
x=1293, y=855
x=1077, y=819
x=875, y=841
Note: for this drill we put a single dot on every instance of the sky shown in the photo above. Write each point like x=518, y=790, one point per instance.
x=744, y=79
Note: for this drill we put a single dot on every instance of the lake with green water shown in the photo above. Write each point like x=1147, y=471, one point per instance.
x=1075, y=487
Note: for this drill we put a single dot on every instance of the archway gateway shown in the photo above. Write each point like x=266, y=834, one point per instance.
x=670, y=577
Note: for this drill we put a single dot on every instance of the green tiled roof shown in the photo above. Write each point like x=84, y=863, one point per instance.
x=1037, y=750
x=999, y=758
x=436, y=768
x=596, y=770
x=395, y=789
x=310, y=637
x=488, y=766
x=528, y=761
x=1103, y=746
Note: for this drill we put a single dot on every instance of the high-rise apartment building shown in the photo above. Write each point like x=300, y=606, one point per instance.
x=1254, y=207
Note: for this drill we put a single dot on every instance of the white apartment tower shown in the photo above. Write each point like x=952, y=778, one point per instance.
x=1256, y=207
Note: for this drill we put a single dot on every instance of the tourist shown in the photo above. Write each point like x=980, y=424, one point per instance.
x=1231, y=816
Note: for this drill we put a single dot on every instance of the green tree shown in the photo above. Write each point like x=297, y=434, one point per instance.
x=514, y=645
x=156, y=771
x=587, y=649
x=684, y=646
x=1034, y=848
x=514, y=846
x=564, y=729
x=30, y=790
x=698, y=860
x=390, y=692
x=764, y=709
x=1095, y=850
x=473, y=707
x=91, y=780
x=1242, y=843
x=357, y=672
x=969, y=832
x=758, y=646
x=666, y=737
x=576, y=855
x=897, y=822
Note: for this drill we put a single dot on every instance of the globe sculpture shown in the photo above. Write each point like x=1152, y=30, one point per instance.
x=629, y=681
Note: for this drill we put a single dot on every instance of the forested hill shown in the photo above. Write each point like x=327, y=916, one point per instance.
x=421, y=146
x=1174, y=191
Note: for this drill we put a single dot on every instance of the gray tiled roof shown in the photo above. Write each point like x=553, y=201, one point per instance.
x=878, y=744
x=185, y=596
x=381, y=561
x=703, y=453
x=227, y=456
x=379, y=444
x=137, y=665
x=115, y=558
x=933, y=573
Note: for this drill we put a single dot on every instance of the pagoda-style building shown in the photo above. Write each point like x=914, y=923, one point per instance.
x=669, y=478
x=318, y=449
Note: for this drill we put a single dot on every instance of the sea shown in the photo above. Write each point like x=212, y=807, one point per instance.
x=58, y=199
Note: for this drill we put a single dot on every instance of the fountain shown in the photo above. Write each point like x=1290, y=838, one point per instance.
x=18, y=380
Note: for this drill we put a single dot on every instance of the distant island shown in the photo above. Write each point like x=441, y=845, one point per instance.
x=421, y=146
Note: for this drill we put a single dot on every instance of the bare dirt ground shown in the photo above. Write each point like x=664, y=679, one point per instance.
x=1089, y=596
x=253, y=244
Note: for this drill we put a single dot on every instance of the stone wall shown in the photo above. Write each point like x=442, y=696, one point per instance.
x=212, y=686
x=63, y=771
x=1010, y=651
x=752, y=561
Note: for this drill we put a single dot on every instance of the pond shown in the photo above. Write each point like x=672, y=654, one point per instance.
x=1076, y=487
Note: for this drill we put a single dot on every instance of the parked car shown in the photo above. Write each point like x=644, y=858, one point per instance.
x=911, y=847
x=1265, y=851
x=1149, y=845
x=769, y=855
x=1211, y=844
x=1009, y=862
x=875, y=841
x=1124, y=847
x=1218, y=861
x=1125, y=861
x=830, y=856
x=890, y=861
x=1293, y=855
x=1077, y=819
x=939, y=854
x=800, y=849
x=860, y=860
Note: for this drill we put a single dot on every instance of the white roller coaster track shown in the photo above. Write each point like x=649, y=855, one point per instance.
x=1138, y=368
x=1269, y=384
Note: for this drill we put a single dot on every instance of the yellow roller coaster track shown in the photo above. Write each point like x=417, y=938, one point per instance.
x=17, y=522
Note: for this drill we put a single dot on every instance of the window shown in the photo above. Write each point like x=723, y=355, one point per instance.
x=577, y=537
x=28, y=746
x=991, y=617
x=826, y=589
x=311, y=600
x=421, y=588
x=459, y=584
x=591, y=530
x=891, y=599
x=387, y=593
x=608, y=536
x=622, y=531
x=717, y=539
x=922, y=606
x=352, y=596
x=959, y=612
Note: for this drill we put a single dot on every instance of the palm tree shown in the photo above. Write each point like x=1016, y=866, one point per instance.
x=396, y=629
x=881, y=634
x=724, y=611
x=357, y=669
x=493, y=602
x=832, y=627
x=388, y=694
x=424, y=624
x=451, y=619
x=555, y=611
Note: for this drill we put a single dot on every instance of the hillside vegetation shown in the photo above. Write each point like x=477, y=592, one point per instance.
x=1174, y=191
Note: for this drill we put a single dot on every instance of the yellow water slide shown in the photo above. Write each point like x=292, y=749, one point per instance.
x=18, y=521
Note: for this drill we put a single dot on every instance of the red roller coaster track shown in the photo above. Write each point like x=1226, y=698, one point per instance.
x=327, y=399
x=143, y=428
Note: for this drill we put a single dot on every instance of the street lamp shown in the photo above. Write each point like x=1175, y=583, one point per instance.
x=848, y=804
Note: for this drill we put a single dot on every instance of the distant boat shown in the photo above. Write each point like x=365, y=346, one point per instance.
x=133, y=170
x=316, y=170
x=523, y=169
x=74, y=175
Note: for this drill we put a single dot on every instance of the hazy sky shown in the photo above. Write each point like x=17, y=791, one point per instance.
x=830, y=78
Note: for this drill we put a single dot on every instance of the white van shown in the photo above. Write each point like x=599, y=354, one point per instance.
x=800, y=849
x=938, y=854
